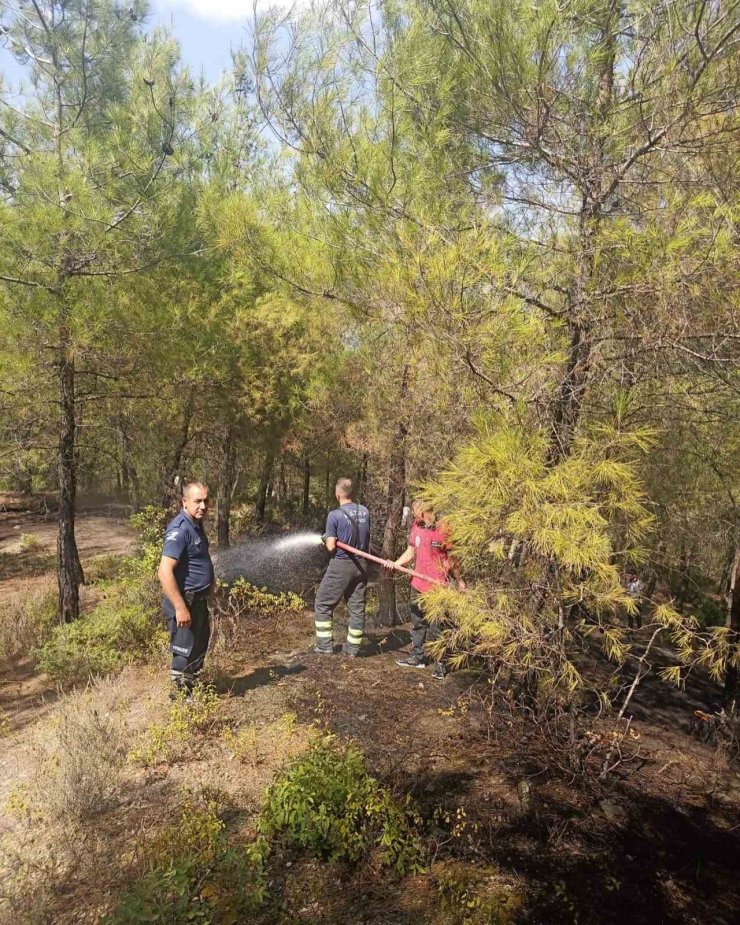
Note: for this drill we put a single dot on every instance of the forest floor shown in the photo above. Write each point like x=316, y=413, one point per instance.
x=504, y=815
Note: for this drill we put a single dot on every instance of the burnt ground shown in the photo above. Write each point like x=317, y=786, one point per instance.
x=657, y=842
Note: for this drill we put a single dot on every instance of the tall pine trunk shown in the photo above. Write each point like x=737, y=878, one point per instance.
x=282, y=483
x=328, y=494
x=69, y=568
x=262, y=491
x=593, y=185
x=733, y=624
x=387, y=614
x=361, y=479
x=572, y=389
x=226, y=483
x=306, y=485
x=183, y=436
x=128, y=470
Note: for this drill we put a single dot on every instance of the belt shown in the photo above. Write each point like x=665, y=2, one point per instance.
x=191, y=596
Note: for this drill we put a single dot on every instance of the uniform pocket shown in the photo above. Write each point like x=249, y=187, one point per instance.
x=182, y=639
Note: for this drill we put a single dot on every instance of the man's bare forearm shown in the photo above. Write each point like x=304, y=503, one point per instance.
x=169, y=586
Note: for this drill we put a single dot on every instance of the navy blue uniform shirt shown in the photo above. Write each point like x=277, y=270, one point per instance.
x=186, y=541
x=338, y=525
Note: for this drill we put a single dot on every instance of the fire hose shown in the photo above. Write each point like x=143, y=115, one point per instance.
x=387, y=564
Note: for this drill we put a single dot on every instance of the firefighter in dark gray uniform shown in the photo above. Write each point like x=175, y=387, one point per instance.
x=346, y=575
x=186, y=576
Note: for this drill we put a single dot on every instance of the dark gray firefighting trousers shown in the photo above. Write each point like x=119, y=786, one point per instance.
x=188, y=644
x=342, y=579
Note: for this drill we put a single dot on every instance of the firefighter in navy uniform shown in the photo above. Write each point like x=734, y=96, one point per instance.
x=346, y=576
x=186, y=576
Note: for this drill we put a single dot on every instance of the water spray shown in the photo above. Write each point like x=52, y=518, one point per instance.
x=273, y=561
x=296, y=540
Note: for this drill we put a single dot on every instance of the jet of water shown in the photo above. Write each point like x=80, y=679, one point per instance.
x=292, y=562
x=296, y=540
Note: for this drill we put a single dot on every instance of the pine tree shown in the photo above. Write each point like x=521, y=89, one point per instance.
x=93, y=147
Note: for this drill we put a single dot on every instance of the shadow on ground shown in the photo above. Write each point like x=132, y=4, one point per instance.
x=391, y=641
x=260, y=677
x=25, y=694
x=26, y=563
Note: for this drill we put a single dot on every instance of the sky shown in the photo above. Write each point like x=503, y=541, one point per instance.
x=206, y=29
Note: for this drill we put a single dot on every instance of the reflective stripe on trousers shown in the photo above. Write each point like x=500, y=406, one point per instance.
x=343, y=579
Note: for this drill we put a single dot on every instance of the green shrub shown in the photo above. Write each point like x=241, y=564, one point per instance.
x=149, y=523
x=196, y=875
x=116, y=632
x=243, y=520
x=78, y=759
x=709, y=611
x=328, y=802
x=125, y=626
x=279, y=741
x=247, y=598
x=233, y=604
x=103, y=569
x=473, y=896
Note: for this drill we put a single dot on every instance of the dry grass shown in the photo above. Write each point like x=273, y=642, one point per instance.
x=26, y=621
x=73, y=777
x=82, y=805
x=79, y=754
x=270, y=745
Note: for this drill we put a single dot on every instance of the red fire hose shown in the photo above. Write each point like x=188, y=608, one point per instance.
x=398, y=568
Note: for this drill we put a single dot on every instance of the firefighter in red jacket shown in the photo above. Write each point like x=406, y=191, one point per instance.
x=430, y=551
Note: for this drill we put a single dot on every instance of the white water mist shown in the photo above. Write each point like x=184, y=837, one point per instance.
x=296, y=540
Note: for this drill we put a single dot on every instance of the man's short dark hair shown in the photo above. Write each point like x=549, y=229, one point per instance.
x=194, y=483
x=344, y=488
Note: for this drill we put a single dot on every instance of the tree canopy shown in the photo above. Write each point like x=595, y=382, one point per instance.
x=483, y=251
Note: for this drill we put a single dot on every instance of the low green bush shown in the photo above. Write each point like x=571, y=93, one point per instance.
x=124, y=627
x=76, y=759
x=243, y=520
x=233, y=604
x=245, y=598
x=105, y=568
x=709, y=611
x=470, y=895
x=326, y=802
x=329, y=803
x=118, y=631
x=149, y=523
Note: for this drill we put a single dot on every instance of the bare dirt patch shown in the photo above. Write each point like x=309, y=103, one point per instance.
x=97, y=534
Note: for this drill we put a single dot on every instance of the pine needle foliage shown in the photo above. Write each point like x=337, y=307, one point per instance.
x=546, y=545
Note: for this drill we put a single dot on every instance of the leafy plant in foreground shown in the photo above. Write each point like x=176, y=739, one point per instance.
x=329, y=803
